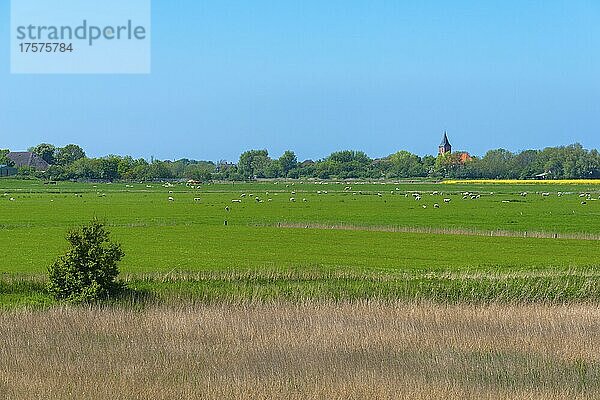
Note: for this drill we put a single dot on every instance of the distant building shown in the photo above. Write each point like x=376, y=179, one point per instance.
x=28, y=159
x=463, y=157
x=5, y=170
x=445, y=146
x=460, y=157
x=224, y=166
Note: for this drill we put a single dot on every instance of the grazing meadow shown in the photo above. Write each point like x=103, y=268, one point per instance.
x=326, y=240
x=295, y=289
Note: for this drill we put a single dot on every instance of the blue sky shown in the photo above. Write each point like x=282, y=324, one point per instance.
x=319, y=76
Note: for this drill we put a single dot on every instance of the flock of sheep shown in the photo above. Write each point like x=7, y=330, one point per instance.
x=417, y=196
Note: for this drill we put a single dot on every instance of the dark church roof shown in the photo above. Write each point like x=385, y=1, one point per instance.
x=28, y=159
x=445, y=141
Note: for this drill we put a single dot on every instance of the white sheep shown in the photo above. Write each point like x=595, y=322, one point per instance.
x=292, y=199
x=447, y=200
x=436, y=205
x=171, y=199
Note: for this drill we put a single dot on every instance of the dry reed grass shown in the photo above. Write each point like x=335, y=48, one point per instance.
x=350, y=350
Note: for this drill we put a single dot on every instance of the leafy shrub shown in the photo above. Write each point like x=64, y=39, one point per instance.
x=88, y=270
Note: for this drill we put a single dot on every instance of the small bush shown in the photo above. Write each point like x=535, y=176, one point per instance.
x=88, y=271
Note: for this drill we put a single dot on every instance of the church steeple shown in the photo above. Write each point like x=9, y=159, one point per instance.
x=445, y=146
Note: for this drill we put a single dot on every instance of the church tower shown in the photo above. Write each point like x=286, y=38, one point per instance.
x=445, y=146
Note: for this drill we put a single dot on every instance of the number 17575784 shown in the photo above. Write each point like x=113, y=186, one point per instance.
x=46, y=47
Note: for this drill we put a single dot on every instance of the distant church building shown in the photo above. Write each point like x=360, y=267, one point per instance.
x=445, y=146
x=459, y=157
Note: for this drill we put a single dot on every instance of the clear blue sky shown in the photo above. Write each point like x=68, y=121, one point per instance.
x=317, y=76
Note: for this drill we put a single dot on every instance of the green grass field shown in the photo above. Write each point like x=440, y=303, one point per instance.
x=181, y=248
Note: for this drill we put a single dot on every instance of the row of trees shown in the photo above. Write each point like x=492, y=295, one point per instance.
x=566, y=162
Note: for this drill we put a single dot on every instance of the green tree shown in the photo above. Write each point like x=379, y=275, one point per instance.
x=448, y=165
x=525, y=165
x=85, y=168
x=288, y=161
x=88, y=270
x=46, y=151
x=429, y=164
x=496, y=164
x=199, y=172
x=252, y=163
x=272, y=170
x=109, y=168
x=345, y=164
x=5, y=160
x=157, y=170
x=406, y=165
x=67, y=155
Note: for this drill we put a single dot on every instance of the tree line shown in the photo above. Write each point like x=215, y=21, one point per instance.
x=565, y=162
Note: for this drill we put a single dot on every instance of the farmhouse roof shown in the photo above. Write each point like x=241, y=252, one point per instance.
x=27, y=159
